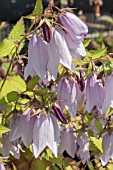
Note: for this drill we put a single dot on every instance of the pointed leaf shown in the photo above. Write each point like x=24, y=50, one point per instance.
x=38, y=10
x=3, y=129
x=32, y=83
x=97, y=142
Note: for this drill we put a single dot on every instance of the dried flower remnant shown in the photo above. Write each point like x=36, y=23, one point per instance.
x=46, y=133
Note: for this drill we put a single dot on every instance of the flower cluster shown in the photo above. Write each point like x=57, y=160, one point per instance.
x=56, y=46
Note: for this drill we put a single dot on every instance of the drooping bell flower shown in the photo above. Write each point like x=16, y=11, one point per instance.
x=37, y=57
x=82, y=148
x=2, y=167
x=68, y=142
x=10, y=147
x=24, y=129
x=66, y=95
x=94, y=93
x=76, y=28
x=59, y=54
x=59, y=114
x=46, y=133
x=76, y=31
x=108, y=88
x=107, y=146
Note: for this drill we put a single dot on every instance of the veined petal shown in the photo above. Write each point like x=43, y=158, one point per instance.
x=2, y=167
x=45, y=134
x=68, y=142
x=75, y=27
x=37, y=56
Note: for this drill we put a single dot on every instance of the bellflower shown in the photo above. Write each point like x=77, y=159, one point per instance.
x=10, y=147
x=2, y=167
x=107, y=149
x=76, y=31
x=82, y=148
x=37, y=57
x=94, y=93
x=59, y=53
x=24, y=129
x=46, y=133
x=108, y=88
x=68, y=142
x=67, y=97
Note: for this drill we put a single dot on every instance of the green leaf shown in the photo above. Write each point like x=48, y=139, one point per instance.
x=17, y=31
x=95, y=54
x=32, y=83
x=15, y=83
x=90, y=166
x=97, y=143
x=86, y=42
x=12, y=96
x=98, y=125
x=3, y=129
x=6, y=47
x=40, y=164
x=3, y=104
x=38, y=10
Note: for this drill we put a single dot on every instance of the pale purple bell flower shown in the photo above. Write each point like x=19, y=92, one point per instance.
x=107, y=146
x=10, y=147
x=67, y=95
x=83, y=148
x=2, y=167
x=46, y=133
x=108, y=88
x=94, y=93
x=68, y=141
x=76, y=28
x=37, y=57
x=59, y=54
x=24, y=129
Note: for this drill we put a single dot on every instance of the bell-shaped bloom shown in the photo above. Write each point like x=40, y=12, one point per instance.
x=37, y=57
x=24, y=129
x=46, y=32
x=68, y=142
x=94, y=93
x=108, y=88
x=59, y=53
x=10, y=147
x=2, y=167
x=82, y=148
x=76, y=31
x=46, y=133
x=107, y=146
x=75, y=27
x=66, y=95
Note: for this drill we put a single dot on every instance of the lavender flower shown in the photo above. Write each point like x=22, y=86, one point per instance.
x=94, y=93
x=108, y=101
x=46, y=133
x=37, y=57
x=107, y=146
x=82, y=148
x=59, y=53
x=68, y=142
x=66, y=95
x=24, y=129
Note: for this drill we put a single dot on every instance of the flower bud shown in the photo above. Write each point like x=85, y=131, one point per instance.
x=59, y=114
x=46, y=32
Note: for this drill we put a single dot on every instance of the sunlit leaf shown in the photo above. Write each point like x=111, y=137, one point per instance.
x=86, y=42
x=97, y=142
x=3, y=129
